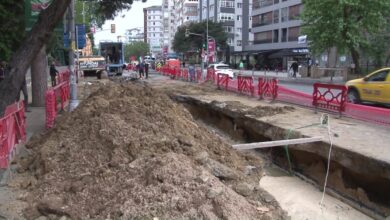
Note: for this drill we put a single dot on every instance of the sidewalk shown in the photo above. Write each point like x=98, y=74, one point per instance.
x=283, y=77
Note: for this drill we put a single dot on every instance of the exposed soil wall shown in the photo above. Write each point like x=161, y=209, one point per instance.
x=353, y=176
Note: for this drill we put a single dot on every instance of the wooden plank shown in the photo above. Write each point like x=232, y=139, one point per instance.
x=276, y=143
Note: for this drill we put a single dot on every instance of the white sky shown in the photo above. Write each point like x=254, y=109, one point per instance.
x=126, y=20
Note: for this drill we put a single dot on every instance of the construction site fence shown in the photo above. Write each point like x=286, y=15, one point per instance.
x=57, y=98
x=327, y=97
x=12, y=132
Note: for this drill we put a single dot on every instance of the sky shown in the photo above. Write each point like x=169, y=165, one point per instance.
x=125, y=20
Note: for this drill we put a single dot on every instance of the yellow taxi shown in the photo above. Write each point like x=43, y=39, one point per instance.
x=375, y=87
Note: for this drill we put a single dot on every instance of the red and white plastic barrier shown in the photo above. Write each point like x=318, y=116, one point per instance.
x=268, y=87
x=222, y=81
x=61, y=93
x=12, y=132
x=330, y=97
x=245, y=85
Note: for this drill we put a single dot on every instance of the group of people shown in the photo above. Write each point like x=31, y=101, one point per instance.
x=142, y=68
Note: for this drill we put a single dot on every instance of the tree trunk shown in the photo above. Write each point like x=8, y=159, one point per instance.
x=356, y=60
x=39, y=78
x=31, y=45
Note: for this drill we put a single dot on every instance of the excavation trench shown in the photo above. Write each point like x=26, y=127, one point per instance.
x=360, y=181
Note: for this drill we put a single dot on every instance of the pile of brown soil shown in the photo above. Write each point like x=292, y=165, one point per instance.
x=128, y=152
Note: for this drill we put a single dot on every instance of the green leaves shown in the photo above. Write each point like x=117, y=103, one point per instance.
x=136, y=49
x=194, y=42
x=345, y=24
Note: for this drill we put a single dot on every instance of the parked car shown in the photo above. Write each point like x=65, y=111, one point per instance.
x=222, y=68
x=375, y=87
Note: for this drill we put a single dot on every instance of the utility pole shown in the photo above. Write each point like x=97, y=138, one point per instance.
x=207, y=33
x=71, y=29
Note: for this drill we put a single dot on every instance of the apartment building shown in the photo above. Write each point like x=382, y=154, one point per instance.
x=276, y=27
x=235, y=16
x=186, y=11
x=154, y=29
x=134, y=35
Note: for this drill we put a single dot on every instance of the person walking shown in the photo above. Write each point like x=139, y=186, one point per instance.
x=53, y=74
x=146, y=70
x=141, y=70
x=294, y=67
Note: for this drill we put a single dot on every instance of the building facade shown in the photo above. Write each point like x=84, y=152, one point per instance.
x=276, y=27
x=235, y=16
x=154, y=29
x=134, y=35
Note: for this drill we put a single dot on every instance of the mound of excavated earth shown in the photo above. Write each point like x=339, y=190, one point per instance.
x=129, y=152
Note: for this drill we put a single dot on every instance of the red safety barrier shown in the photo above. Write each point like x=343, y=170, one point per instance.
x=198, y=75
x=210, y=75
x=330, y=97
x=267, y=87
x=245, y=85
x=60, y=92
x=64, y=76
x=222, y=80
x=12, y=132
x=184, y=74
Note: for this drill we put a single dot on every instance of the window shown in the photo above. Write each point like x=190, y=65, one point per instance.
x=276, y=36
x=154, y=23
x=293, y=33
x=295, y=12
x=239, y=43
x=276, y=16
x=239, y=30
x=227, y=4
x=239, y=5
x=284, y=14
x=263, y=37
x=378, y=77
x=225, y=17
x=284, y=34
x=149, y=17
x=228, y=29
x=238, y=17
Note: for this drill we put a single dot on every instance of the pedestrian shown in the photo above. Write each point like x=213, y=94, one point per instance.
x=53, y=74
x=294, y=67
x=141, y=70
x=191, y=70
x=23, y=89
x=184, y=64
x=241, y=66
x=146, y=70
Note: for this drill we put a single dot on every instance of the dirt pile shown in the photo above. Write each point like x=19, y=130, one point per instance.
x=129, y=152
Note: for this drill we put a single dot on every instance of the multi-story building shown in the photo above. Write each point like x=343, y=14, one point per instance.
x=169, y=24
x=276, y=27
x=134, y=35
x=235, y=16
x=186, y=11
x=154, y=29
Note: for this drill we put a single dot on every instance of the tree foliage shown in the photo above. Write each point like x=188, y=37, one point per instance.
x=136, y=49
x=183, y=44
x=344, y=24
x=12, y=30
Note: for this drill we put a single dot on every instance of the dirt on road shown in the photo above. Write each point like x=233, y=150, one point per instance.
x=130, y=152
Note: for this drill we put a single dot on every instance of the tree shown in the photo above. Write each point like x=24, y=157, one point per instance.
x=343, y=24
x=183, y=44
x=13, y=30
x=37, y=38
x=136, y=49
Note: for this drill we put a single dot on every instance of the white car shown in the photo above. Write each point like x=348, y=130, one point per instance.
x=222, y=68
